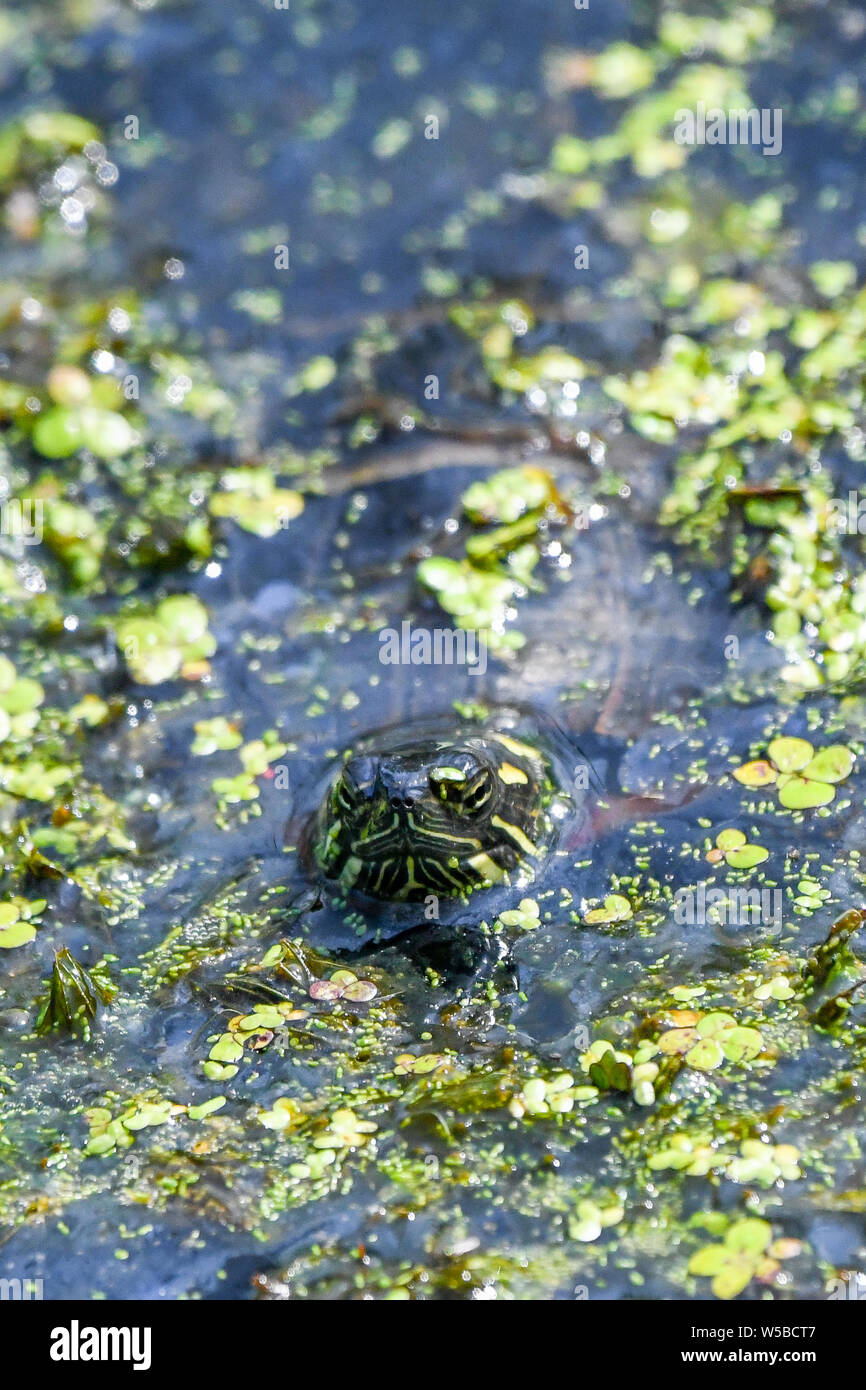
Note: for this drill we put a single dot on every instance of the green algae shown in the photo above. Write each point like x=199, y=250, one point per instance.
x=171, y=641
x=423, y=1112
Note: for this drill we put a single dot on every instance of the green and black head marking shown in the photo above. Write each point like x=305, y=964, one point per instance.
x=443, y=812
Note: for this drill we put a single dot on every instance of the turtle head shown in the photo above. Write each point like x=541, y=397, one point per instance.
x=434, y=816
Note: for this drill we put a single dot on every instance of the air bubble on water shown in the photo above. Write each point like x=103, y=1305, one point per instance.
x=174, y=269
x=107, y=173
x=72, y=212
x=178, y=389
x=32, y=579
x=31, y=310
x=119, y=321
x=213, y=570
x=103, y=361
x=66, y=177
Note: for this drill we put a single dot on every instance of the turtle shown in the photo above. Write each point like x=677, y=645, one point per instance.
x=442, y=808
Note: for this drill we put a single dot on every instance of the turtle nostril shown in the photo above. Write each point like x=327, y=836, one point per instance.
x=408, y=803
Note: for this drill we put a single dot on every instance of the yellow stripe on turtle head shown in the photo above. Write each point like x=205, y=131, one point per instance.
x=516, y=834
x=510, y=774
x=486, y=867
x=521, y=750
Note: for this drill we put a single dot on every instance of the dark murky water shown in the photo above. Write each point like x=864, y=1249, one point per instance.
x=260, y=127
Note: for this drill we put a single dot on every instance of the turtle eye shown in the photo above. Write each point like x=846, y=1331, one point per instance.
x=466, y=792
x=477, y=793
x=447, y=783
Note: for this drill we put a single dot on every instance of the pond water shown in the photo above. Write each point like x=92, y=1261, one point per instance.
x=315, y=322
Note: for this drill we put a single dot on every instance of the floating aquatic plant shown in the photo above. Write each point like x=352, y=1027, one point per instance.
x=108, y=1134
x=776, y=988
x=803, y=778
x=74, y=994
x=477, y=600
x=708, y=1040
x=344, y=984
x=478, y=589
x=215, y=735
x=615, y=908
x=833, y=955
x=19, y=918
x=232, y=790
x=345, y=1131
x=810, y=895
x=692, y=1154
x=407, y=1063
x=764, y=1164
x=508, y=495
x=733, y=847
x=171, y=641
x=251, y=498
x=741, y=1257
x=612, y=1069
x=285, y=1113
x=591, y=1218
x=526, y=915
x=539, y=1097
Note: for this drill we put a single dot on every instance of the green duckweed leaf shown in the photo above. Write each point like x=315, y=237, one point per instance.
x=831, y=764
x=747, y=857
x=706, y=1055
x=741, y=1044
x=801, y=794
x=616, y=908
x=790, y=754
